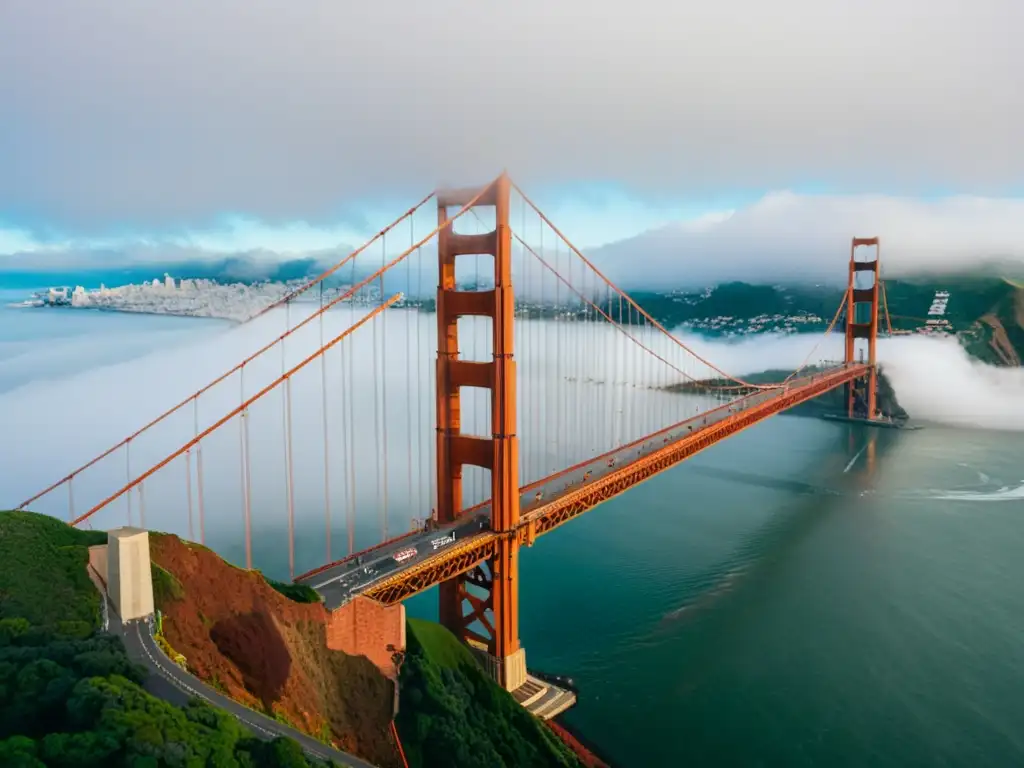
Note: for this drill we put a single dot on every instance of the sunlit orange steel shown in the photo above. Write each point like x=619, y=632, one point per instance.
x=435, y=570
x=860, y=330
x=498, y=452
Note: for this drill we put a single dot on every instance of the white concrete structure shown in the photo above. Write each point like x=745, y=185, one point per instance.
x=129, y=574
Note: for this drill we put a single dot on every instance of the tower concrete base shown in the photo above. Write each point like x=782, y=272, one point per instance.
x=509, y=673
x=129, y=574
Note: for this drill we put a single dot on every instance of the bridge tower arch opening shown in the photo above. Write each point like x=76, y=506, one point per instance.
x=480, y=607
x=862, y=295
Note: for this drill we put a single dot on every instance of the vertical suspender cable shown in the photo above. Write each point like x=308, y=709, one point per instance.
x=351, y=437
x=128, y=476
x=578, y=388
x=243, y=422
x=71, y=500
x=188, y=492
x=566, y=383
x=408, y=377
x=425, y=481
x=541, y=400
x=327, y=462
x=586, y=353
x=384, y=389
x=286, y=415
x=289, y=479
x=343, y=418
x=626, y=321
x=199, y=475
x=560, y=371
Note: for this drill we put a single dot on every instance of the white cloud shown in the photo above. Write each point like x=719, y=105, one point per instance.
x=117, y=112
x=936, y=379
x=784, y=236
x=14, y=240
x=788, y=236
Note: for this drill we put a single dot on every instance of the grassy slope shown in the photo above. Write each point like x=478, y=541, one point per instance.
x=42, y=573
x=453, y=716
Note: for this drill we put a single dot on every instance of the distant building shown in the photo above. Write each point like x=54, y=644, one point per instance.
x=938, y=307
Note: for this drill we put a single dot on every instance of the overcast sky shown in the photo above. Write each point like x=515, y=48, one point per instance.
x=162, y=117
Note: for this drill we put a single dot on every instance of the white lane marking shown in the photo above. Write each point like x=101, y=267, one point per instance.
x=172, y=678
x=329, y=581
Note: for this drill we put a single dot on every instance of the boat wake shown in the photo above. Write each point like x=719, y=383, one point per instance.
x=1005, y=493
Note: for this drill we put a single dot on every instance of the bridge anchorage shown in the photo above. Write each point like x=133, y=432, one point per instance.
x=630, y=400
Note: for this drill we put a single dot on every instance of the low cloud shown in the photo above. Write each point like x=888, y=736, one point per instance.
x=786, y=237
x=60, y=421
x=936, y=379
x=783, y=237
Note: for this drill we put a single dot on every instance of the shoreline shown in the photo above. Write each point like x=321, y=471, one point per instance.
x=119, y=311
x=589, y=754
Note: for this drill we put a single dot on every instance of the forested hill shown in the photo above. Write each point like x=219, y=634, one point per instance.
x=985, y=314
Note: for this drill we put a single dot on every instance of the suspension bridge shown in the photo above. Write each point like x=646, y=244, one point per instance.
x=476, y=378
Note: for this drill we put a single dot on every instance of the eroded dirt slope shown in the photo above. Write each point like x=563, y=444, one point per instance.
x=243, y=637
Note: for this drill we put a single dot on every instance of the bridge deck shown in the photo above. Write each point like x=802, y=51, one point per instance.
x=433, y=556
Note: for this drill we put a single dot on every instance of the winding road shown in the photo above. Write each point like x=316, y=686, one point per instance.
x=171, y=683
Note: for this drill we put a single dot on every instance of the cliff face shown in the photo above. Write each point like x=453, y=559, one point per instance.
x=268, y=652
x=997, y=336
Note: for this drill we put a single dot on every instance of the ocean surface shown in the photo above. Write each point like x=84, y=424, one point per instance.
x=806, y=593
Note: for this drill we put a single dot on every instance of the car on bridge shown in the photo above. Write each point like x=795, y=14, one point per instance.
x=405, y=554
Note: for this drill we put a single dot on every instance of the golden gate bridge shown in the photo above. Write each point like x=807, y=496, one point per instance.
x=477, y=375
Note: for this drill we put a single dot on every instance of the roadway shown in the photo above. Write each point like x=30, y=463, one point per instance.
x=342, y=581
x=171, y=683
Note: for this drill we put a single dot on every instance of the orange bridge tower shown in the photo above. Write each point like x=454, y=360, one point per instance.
x=466, y=599
x=862, y=323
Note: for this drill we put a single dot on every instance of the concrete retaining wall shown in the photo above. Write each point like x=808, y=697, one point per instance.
x=98, y=562
x=364, y=627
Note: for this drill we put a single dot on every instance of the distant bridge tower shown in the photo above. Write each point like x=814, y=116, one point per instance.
x=862, y=323
x=463, y=611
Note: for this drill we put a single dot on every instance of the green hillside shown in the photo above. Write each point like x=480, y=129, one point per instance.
x=985, y=314
x=453, y=716
x=69, y=695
